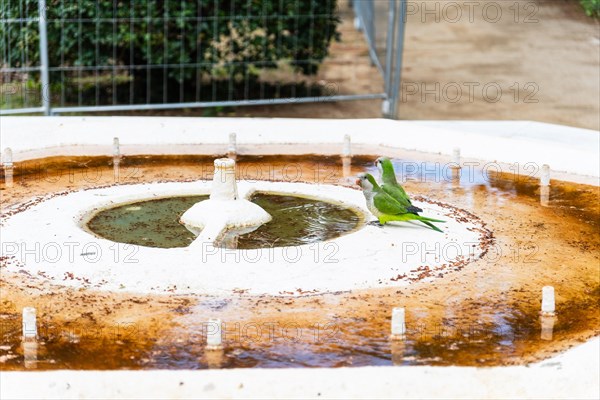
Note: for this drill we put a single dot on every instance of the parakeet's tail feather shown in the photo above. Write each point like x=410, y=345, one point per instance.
x=414, y=209
x=383, y=219
x=432, y=226
x=421, y=218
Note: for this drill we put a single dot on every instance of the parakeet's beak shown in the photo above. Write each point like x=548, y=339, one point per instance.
x=357, y=181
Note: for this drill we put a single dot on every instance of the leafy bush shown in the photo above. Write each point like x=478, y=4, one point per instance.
x=591, y=7
x=151, y=42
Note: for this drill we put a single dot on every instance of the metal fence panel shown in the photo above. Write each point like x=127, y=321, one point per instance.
x=22, y=77
x=110, y=55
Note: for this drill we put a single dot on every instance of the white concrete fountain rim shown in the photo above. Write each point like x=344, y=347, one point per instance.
x=572, y=153
x=67, y=254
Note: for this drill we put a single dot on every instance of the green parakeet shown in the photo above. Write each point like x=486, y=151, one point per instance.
x=390, y=185
x=384, y=206
x=393, y=188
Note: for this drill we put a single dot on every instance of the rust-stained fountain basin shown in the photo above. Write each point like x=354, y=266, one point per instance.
x=478, y=307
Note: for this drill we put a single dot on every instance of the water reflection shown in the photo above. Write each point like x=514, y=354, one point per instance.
x=346, y=167
x=397, y=349
x=423, y=171
x=547, y=324
x=117, y=168
x=214, y=359
x=8, y=176
x=30, y=353
x=545, y=196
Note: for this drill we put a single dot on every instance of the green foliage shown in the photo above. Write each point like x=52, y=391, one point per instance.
x=591, y=7
x=170, y=40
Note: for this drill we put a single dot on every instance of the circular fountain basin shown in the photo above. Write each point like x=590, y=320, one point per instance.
x=367, y=256
x=296, y=221
x=500, y=294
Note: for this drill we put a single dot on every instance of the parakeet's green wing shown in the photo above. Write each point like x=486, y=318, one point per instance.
x=390, y=184
x=387, y=205
x=397, y=193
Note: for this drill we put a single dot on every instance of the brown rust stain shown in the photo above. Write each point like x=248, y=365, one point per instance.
x=485, y=315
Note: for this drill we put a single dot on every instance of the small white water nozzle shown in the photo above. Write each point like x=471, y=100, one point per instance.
x=224, y=209
x=116, y=147
x=548, y=304
x=398, y=322
x=116, y=159
x=7, y=158
x=29, y=323
x=224, y=186
x=456, y=157
x=545, y=177
x=214, y=334
x=347, y=149
x=7, y=163
x=232, y=148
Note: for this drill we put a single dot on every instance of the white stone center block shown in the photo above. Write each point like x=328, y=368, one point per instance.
x=224, y=209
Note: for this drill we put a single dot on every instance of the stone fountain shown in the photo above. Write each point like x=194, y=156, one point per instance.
x=224, y=210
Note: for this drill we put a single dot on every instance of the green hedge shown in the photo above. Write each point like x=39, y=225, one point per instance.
x=591, y=7
x=228, y=38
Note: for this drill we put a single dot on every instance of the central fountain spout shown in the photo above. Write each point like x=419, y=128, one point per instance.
x=224, y=210
x=224, y=185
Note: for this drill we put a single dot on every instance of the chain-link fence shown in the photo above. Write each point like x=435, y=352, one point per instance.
x=65, y=56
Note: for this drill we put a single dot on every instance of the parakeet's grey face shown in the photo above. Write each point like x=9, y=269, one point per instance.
x=363, y=182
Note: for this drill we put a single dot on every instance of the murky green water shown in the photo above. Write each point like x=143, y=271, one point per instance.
x=152, y=223
x=296, y=221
